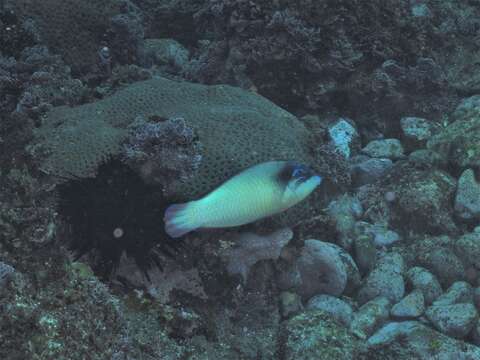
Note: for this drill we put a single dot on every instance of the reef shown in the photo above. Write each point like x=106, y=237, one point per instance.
x=112, y=110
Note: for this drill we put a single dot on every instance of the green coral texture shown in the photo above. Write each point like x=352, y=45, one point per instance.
x=237, y=129
x=70, y=27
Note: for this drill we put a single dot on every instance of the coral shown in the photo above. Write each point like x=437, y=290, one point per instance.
x=236, y=129
x=85, y=24
x=29, y=86
x=334, y=167
x=61, y=315
x=313, y=55
x=13, y=35
x=125, y=37
x=159, y=14
x=162, y=152
x=168, y=54
x=162, y=283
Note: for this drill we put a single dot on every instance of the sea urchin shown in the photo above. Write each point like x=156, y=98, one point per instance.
x=114, y=213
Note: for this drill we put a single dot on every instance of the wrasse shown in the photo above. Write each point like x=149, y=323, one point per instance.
x=255, y=193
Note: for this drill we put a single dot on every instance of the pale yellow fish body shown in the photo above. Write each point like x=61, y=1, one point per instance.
x=239, y=202
x=255, y=193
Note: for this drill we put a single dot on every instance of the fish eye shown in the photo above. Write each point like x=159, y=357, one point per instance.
x=301, y=172
x=298, y=172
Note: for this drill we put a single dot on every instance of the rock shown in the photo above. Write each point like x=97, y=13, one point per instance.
x=411, y=306
x=344, y=136
x=437, y=254
x=390, y=332
x=384, y=148
x=370, y=170
x=345, y=211
x=421, y=10
x=476, y=333
x=325, y=268
x=248, y=248
x=290, y=304
x=385, y=280
x=380, y=233
x=336, y=308
x=455, y=320
x=365, y=253
x=467, y=248
x=288, y=275
x=459, y=292
x=460, y=141
x=421, y=279
x=420, y=194
x=476, y=297
x=467, y=200
x=353, y=274
x=416, y=131
x=370, y=317
x=314, y=335
x=424, y=158
x=414, y=340
x=384, y=237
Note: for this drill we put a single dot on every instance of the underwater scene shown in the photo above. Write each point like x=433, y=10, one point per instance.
x=239, y=179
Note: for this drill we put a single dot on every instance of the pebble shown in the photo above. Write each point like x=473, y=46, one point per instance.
x=337, y=308
x=381, y=235
x=370, y=170
x=417, y=131
x=459, y=292
x=365, y=253
x=411, y=306
x=467, y=199
x=290, y=304
x=385, y=280
x=476, y=297
x=419, y=341
x=344, y=136
x=444, y=264
x=370, y=317
x=455, y=320
x=345, y=211
x=423, y=280
x=467, y=248
x=384, y=148
x=321, y=268
x=391, y=332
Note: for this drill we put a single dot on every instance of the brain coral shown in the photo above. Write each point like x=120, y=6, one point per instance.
x=70, y=27
x=236, y=128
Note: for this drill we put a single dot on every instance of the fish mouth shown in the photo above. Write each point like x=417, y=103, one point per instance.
x=317, y=179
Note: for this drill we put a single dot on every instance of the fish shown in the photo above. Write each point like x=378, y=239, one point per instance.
x=255, y=193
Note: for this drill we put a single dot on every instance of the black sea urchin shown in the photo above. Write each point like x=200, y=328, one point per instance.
x=115, y=213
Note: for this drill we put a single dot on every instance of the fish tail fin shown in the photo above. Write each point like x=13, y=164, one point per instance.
x=180, y=219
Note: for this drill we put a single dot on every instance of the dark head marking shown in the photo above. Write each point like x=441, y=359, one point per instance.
x=294, y=170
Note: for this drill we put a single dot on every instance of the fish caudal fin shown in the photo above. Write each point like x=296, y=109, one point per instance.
x=180, y=219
